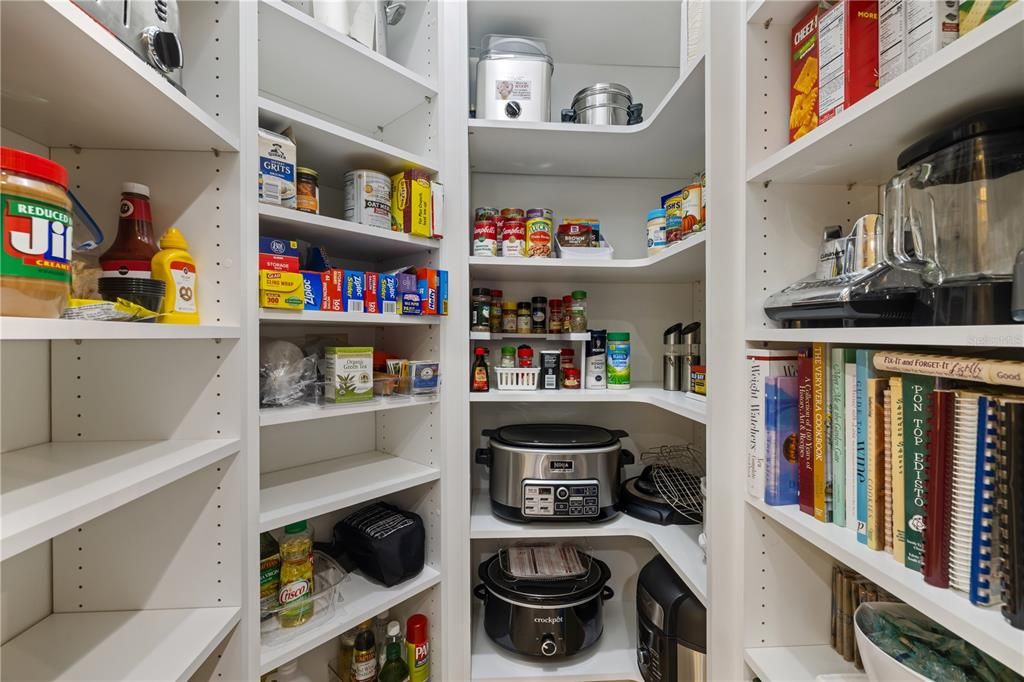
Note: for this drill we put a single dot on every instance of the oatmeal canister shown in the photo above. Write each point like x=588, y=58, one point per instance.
x=368, y=198
x=35, y=264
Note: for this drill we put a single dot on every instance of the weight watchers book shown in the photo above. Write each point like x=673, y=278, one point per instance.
x=761, y=364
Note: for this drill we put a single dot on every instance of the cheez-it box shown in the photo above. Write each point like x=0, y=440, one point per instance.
x=848, y=55
x=803, y=76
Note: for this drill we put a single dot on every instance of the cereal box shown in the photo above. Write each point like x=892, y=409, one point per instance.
x=279, y=254
x=352, y=292
x=281, y=290
x=803, y=76
x=371, y=292
x=931, y=25
x=388, y=294
x=410, y=202
x=349, y=374
x=312, y=290
x=848, y=54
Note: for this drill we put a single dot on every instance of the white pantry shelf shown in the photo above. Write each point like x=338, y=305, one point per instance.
x=689, y=405
x=364, y=599
x=152, y=645
x=271, y=416
x=500, y=336
x=779, y=12
x=611, y=659
x=51, y=488
x=271, y=316
x=34, y=328
x=983, y=627
x=88, y=89
x=789, y=663
x=668, y=144
x=677, y=544
x=313, y=489
x=978, y=71
x=683, y=262
x=386, y=90
x=341, y=236
x=1008, y=335
x=333, y=150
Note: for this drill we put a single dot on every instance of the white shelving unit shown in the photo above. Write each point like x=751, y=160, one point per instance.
x=38, y=329
x=689, y=405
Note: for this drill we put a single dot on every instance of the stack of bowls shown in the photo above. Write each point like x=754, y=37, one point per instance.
x=148, y=293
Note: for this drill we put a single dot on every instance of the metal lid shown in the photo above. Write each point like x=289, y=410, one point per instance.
x=987, y=123
x=555, y=436
x=523, y=48
x=602, y=89
x=560, y=592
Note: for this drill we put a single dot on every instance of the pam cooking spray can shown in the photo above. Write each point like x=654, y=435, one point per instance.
x=417, y=652
x=594, y=360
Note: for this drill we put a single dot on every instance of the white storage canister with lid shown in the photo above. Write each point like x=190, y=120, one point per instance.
x=513, y=79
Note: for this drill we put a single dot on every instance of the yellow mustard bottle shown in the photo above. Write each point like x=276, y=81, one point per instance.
x=174, y=265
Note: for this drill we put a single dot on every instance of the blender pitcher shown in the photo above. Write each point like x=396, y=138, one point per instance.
x=954, y=214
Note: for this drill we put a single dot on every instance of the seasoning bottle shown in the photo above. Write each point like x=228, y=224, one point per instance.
x=131, y=254
x=346, y=648
x=175, y=266
x=524, y=317
x=578, y=314
x=307, y=190
x=496, y=306
x=540, y=315
x=525, y=356
x=480, y=310
x=394, y=668
x=508, y=317
x=480, y=379
x=380, y=634
x=566, y=314
x=508, y=356
x=364, y=655
x=555, y=316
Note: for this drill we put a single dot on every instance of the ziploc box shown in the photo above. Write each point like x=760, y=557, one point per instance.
x=848, y=54
x=312, y=290
x=426, y=286
x=387, y=294
x=279, y=254
x=333, y=283
x=352, y=292
x=281, y=290
x=371, y=295
x=442, y=291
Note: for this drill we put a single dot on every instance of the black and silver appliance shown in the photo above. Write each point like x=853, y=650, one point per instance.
x=644, y=497
x=151, y=28
x=671, y=627
x=554, y=472
x=604, y=104
x=546, y=616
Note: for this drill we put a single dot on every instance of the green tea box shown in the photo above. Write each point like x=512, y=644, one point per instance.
x=348, y=374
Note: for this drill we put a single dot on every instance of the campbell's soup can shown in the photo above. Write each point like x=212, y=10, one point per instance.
x=513, y=238
x=485, y=238
x=538, y=238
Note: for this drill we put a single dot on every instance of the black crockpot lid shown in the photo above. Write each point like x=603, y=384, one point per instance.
x=545, y=592
x=555, y=436
x=987, y=123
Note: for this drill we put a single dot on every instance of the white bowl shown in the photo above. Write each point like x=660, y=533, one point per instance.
x=880, y=666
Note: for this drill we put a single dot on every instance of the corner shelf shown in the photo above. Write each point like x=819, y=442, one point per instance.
x=314, y=489
x=91, y=90
x=677, y=544
x=982, y=626
x=678, y=263
x=364, y=599
x=341, y=236
x=786, y=663
x=668, y=144
x=976, y=71
x=157, y=644
x=51, y=488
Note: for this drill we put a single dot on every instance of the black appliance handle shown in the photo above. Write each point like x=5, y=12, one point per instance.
x=488, y=433
x=626, y=457
x=619, y=433
x=480, y=592
x=635, y=114
x=568, y=115
x=606, y=593
x=483, y=456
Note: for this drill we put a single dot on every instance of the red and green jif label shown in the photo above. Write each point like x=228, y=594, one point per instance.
x=37, y=239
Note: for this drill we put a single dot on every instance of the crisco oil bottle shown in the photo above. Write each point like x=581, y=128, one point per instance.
x=296, y=575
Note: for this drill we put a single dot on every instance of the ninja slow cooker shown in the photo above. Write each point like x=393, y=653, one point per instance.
x=554, y=472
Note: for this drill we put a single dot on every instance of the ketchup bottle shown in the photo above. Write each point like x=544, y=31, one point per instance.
x=132, y=252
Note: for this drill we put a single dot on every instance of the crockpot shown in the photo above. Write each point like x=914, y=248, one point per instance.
x=551, y=618
x=554, y=472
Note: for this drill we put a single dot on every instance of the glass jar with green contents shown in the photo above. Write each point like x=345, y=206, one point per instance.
x=578, y=316
x=524, y=317
x=508, y=356
x=480, y=310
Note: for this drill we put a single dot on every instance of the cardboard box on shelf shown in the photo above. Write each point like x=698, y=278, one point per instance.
x=371, y=292
x=892, y=32
x=436, y=209
x=312, y=290
x=388, y=294
x=410, y=202
x=426, y=287
x=803, y=75
x=352, y=292
x=848, y=54
x=281, y=290
x=931, y=25
x=279, y=254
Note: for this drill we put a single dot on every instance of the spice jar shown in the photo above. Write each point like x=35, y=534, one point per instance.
x=570, y=377
x=31, y=286
x=566, y=314
x=508, y=356
x=578, y=316
x=555, y=316
x=496, y=304
x=508, y=317
x=307, y=190
x=480, y=310
x=524, y=317
x=568, y=357
x=540, y=315
x=525, y=356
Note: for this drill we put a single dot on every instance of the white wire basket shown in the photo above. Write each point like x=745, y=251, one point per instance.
x=517, y=378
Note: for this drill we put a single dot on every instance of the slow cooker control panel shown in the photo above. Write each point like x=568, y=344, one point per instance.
x=562, y=498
